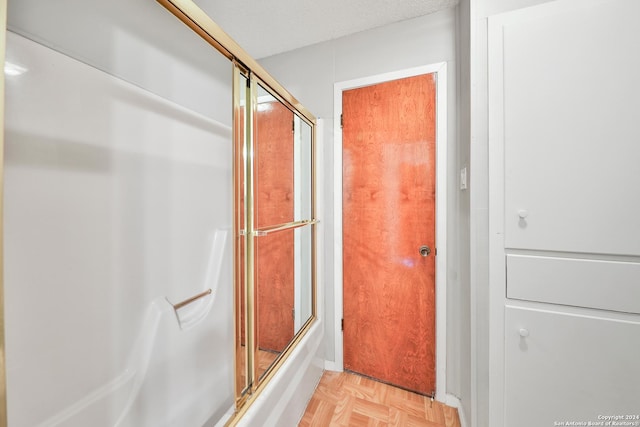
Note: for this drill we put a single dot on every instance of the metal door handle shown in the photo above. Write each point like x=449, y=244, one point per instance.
x=425, y=250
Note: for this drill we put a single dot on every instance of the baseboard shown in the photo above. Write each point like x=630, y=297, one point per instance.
x=454, y=402
x=331, y=366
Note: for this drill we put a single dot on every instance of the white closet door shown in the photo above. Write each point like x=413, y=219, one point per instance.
x=569, y=74
x=564, y=367
x=564, y=139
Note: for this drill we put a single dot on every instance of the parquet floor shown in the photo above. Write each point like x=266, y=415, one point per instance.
x=345, y=399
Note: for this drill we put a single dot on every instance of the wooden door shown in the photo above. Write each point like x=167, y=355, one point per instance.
x=274, y=206
x=389, y=162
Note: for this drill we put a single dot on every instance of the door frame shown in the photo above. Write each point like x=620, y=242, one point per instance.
x=440, y=69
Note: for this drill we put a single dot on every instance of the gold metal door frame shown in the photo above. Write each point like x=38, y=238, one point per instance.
x=244, y=161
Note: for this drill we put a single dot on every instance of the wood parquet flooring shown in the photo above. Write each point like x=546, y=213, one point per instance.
x=345, y=399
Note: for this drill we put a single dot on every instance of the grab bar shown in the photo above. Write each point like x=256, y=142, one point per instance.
x=188, y=301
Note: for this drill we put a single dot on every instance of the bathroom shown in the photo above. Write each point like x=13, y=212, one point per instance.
x=120, y=211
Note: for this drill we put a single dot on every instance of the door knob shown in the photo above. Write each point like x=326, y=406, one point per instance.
x=425, y=250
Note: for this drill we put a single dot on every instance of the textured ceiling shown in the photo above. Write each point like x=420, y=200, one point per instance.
x=267, y=27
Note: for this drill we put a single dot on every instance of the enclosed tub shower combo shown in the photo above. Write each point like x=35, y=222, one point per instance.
x=159, y=235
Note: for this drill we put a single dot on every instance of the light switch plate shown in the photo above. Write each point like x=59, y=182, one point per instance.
x=463, y=178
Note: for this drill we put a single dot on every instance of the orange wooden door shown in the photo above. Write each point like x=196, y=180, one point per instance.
x=388, y=214
x=274, y=206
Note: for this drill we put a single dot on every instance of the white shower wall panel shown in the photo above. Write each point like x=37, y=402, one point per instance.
x=117, y=204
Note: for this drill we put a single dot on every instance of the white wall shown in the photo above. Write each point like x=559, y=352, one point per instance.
x=117, y=203
x=135, y=40
x=310, y=74
x=99, y=175
x=464, y=347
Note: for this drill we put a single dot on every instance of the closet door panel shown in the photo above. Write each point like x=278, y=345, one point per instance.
x=570, y=108
x=600, y=284
x=566, y=367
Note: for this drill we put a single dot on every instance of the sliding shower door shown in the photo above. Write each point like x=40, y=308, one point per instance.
x=274, y=230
